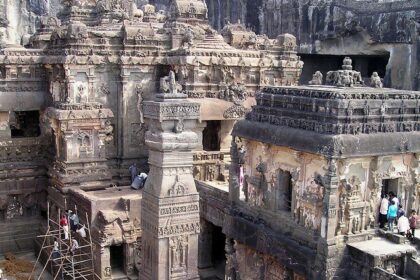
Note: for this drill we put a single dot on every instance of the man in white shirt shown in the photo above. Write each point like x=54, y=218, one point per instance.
x=383, y=211
x=81, y=231
x=403, y=225
x=394, y=198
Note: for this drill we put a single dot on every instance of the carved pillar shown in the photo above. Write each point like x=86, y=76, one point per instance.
x=170, y=213
x=231, y=262
x=330, y=202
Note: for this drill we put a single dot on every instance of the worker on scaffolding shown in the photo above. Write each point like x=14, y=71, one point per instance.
x=64, y=223
x=74, y=220
x=81, y=231
x=74, y=246
x=56, y=251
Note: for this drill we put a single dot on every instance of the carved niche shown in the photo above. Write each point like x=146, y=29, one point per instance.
x=178, y=254
x=352, y=208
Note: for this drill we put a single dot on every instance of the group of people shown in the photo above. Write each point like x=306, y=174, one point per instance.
x=71, y=219
x=391, y=211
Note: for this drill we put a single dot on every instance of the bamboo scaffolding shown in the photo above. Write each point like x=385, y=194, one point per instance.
x=69, y=264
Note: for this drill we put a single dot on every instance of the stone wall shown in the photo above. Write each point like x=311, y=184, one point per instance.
x=336, y=27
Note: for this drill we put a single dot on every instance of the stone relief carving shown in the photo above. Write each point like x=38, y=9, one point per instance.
x=352, y=208
x=104, y=89
x=235, y=112
x=178, y=246
x=178, y=189
x=139, y=93
x=81, y=94
x=14, y=209
x=169, y=85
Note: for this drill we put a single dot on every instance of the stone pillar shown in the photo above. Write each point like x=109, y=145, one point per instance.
x=330, y=202
x=205, y=245
x=170, y=209
x=231, y=262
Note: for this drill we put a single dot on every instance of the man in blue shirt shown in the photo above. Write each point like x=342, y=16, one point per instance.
x=392, y=215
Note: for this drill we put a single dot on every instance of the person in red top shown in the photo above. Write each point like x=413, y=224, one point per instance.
x=64, y=223
x=413, y=222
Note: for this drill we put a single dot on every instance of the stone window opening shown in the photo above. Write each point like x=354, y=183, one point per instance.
x=284, y=197
x=24, y=124
x=211, y=137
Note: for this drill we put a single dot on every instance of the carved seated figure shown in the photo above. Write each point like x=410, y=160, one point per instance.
x=345, y=79
x=375, y=80
x=316, y=78
x=168, y=84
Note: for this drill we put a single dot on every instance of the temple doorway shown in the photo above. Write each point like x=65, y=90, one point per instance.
x=116, y=259
x=212, y=256
x=390, y=185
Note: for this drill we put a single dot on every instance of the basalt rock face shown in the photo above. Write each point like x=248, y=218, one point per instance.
x=337, y=27
x=379, y=28
x=20, y=18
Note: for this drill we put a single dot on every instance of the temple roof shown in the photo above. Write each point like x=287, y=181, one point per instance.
x=341, y=122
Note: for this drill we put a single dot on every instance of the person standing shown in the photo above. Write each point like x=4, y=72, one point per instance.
x=392, y=215
x=394, y=198
x=383, y=210
x=403, y=225
x=81, y=231
x=400, y=211
x=74, y=246
x=65, y=225
x=133, y=171
x=74, y=221
x=413, y=222
x=56, y=250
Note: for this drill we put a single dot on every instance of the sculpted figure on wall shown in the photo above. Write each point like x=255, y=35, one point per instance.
x=353, y=209
x=169, y=85
x=14, y=209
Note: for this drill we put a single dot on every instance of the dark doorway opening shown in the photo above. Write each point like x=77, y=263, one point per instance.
x=390, y=185
x=211, y=139
x=365, y=64
x=24, y=124
x=212, y=255
x=218, y=249
x=116, y=257
x=285, y=191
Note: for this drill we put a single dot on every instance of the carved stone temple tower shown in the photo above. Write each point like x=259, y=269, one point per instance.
x=170, y=209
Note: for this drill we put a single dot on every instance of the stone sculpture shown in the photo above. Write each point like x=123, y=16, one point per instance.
x=375, y=80
x=316, y=78
x=347, y=77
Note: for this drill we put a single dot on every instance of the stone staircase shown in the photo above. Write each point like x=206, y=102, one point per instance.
x=412, y=269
